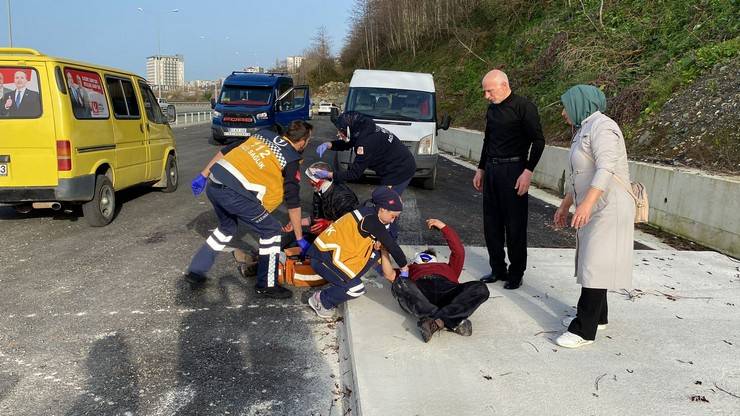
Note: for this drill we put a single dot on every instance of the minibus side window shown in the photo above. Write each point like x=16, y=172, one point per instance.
x=86, y=94
x=122, y=98
x=153, y=110
x=20, y=95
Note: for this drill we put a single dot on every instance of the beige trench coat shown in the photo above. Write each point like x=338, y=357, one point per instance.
x=604, y=246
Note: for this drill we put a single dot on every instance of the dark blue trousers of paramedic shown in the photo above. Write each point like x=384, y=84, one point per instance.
x=341, y=289
x=231, y=207
x=393, y=229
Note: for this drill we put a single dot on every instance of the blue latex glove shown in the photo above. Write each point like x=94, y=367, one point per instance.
x=198, y=184
x=303, y=244
x=404, y=274
x=321, y=174
x=323, y=147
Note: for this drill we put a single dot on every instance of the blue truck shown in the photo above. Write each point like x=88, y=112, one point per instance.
x=252, y=101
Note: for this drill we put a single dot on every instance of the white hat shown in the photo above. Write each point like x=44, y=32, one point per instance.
x=422, y=258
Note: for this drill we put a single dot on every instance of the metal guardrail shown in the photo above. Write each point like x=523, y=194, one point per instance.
x=196, y=117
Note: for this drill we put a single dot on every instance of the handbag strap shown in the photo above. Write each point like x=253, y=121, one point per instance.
x=619, y=180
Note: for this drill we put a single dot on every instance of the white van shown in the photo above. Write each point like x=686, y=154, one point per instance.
x=405, y=104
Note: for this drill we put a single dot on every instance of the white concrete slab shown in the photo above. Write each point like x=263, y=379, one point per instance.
x=675, y=338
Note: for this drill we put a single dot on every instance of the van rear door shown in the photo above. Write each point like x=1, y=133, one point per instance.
x=27, y=137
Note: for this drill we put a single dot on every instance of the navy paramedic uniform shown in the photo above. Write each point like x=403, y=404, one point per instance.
x=344, y=252
x=250, y=181
x=376, y=149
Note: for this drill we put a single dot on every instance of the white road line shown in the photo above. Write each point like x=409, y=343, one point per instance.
x=641, y=237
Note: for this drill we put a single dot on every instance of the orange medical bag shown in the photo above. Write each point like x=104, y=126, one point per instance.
x=296, y=272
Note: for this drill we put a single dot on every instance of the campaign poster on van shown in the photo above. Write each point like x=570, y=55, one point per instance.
x=19, y=92
x=86, y=93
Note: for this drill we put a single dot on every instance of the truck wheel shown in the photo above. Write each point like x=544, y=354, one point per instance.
x=170, y=170
x=212, y=140
x=101, y=210
x=430, y=182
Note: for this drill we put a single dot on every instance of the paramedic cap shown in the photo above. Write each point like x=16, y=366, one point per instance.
x=387, y=198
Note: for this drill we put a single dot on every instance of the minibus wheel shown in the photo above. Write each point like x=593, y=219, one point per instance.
x=170, y=170
x=101, y=210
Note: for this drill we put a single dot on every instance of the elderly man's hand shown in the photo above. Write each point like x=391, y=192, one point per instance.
x=478, y=180
x=522, y=184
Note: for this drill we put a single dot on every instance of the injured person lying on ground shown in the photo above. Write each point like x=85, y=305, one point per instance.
x=432, y=293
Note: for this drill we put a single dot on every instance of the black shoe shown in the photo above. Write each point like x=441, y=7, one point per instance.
x=275, y=292
x=194, y=279
x=493, y=278
x=428, y=327
x=464, y=328
x=513, y=283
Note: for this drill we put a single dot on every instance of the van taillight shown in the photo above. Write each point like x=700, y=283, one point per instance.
x=64, y=155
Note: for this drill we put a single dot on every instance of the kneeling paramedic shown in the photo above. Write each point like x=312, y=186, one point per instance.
x=432, y=292
x=350, y=247
x=246, y=182
x=375, y=148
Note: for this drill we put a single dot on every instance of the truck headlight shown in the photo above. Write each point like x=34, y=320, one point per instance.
x=426, y=145
x=262, y=116
x=217, y=114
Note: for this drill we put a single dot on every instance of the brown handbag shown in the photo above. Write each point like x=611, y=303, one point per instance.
x=639, y=194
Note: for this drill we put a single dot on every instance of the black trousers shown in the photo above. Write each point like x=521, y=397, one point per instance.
x=592, y=312
x=505, y=218
x=439, y=298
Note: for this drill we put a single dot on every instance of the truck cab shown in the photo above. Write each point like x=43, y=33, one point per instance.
x=405, y=104
x=249, y=102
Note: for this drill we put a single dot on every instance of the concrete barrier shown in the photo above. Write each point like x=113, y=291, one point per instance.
x=690, y=203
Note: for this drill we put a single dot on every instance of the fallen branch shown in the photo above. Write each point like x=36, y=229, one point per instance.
x=470, y=50
x=596, y=383
x=721, y=389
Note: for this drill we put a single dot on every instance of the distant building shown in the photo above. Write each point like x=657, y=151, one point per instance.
x=293, y=63
x=165, y=72
x=254, y=69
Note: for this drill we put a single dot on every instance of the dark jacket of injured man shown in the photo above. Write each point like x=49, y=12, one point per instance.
x=330, y=200
x=432, y=293
x=349, y=247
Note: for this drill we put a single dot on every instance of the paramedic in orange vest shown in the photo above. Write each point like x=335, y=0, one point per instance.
x=246, y=181
x=346, y=250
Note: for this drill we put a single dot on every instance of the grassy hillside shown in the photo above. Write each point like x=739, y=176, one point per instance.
x=639, y=52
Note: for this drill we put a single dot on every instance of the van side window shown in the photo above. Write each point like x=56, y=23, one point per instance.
x=151, y=106
x=20, y=92
x=123, y=98
x=86, y=94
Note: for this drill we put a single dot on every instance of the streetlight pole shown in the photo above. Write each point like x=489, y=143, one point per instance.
x=157, y=75
x=10, y=26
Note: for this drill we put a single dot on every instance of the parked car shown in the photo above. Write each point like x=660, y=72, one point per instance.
x=166, y=106
x=404, y=103
x=81, y=133
x=327, y=108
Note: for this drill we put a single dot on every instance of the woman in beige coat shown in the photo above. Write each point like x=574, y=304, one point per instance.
x=605, y=211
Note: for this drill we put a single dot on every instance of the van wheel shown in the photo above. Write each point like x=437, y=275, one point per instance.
x=170, y=170
x=101, y=210
x=430, y=182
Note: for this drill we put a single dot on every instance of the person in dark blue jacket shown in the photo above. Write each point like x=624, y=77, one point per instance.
x=375, y=148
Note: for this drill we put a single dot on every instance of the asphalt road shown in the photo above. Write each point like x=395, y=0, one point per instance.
x=96, y=321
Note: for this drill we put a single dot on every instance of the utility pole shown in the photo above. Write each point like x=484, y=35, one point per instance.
x=10, y=26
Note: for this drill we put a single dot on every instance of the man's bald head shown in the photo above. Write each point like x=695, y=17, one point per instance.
x=496, y=86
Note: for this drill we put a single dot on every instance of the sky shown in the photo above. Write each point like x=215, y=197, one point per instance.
x=215, y=37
